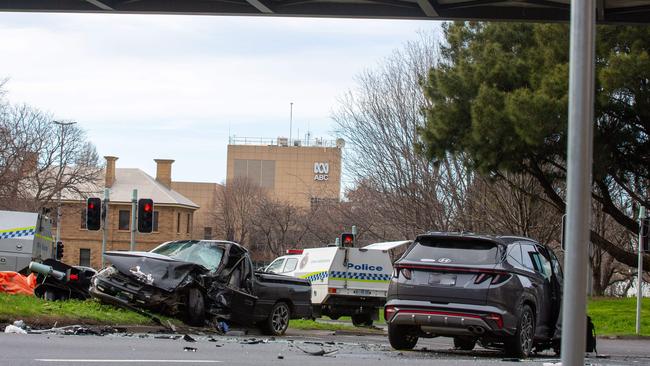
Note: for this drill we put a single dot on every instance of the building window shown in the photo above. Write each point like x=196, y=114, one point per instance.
x=207, y=233
x=155, y=221
x=84, y=257
x=178, y=222
x=260, y=172
x=125, y=218
x=189, y=222
x=83, y=219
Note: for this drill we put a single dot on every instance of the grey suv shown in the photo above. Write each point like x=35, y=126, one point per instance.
x=502, y=291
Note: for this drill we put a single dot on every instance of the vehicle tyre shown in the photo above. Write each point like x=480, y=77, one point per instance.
x=195, y=309
x=521, y=344
x=50, y=295
x=360, y=320
x=334, y=316
x=401, y=337
x=278, y=321
x=464, y=343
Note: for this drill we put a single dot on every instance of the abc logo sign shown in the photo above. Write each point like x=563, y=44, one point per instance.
x=321, y=171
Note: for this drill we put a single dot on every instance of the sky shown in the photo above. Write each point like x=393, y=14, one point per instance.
x=146, y=87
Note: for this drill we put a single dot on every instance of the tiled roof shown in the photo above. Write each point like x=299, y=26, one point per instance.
x=128, y=179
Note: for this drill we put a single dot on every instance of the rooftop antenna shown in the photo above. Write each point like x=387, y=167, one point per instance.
x=290, y=121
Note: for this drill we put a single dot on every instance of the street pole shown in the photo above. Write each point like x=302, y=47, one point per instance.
x=134, y=208
x=58, y=207
x=105, y=223
x=639, y=274
x=579, y=161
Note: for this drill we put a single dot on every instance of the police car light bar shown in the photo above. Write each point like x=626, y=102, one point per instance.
x=294, y=251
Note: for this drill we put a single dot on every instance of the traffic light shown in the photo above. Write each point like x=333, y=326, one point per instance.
x=645, y=232
x=145, y=215
x=347, y=240
x=59, y=250
x=93, y=214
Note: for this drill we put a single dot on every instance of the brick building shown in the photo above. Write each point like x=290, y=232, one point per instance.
x=173, y=213
x=303, y=173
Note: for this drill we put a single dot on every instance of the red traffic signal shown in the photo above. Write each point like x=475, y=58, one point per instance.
x=145, y=215
x=93, y=213
x=347, y=240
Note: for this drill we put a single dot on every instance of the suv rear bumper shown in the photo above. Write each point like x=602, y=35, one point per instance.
x=451, y=319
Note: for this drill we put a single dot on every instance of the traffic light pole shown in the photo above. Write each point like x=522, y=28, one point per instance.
x=639, y=276
x=105, y=223
x=134, y=208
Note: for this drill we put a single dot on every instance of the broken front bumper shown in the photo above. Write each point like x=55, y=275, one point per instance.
x=118, y=289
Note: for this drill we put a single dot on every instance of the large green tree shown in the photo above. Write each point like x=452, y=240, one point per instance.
x=499, y=95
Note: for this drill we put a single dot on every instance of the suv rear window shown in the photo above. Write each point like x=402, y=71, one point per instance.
x=445, y=251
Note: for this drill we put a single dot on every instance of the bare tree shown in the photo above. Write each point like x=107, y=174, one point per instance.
x=379, y=120
x=38, y=161
x=236, y=204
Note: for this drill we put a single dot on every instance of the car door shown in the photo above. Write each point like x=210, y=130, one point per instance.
x=539, y=286
x=554, y=285
x=242, y=299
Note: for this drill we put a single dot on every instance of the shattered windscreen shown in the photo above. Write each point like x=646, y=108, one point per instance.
x=204, y=254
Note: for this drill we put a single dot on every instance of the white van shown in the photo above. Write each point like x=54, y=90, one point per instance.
x=24, y=237
x=344, y=281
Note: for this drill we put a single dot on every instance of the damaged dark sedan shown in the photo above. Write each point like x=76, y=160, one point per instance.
x=203, y=280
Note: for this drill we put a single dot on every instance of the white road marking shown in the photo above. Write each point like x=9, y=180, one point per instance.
x=123, y=361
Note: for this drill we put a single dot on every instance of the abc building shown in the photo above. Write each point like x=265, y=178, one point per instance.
x=302, y=173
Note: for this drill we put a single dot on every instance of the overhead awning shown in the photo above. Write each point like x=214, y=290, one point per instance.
x=610, y=11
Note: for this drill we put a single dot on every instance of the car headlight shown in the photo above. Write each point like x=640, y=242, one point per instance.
x=107, y=272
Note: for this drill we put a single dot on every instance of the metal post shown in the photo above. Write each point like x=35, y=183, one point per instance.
x=134, y=208
x=58, y=207
x=105, y=223
x=579, y=159
x=639, y=276
x=290, y=121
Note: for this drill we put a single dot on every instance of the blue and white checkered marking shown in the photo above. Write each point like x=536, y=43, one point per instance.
x=17, y=233
x=361, y=276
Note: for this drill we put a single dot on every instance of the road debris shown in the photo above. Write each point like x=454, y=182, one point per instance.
x=190, y=349
x=14, y=329
x=254, y=341
x=187, y=338
x=321, y=352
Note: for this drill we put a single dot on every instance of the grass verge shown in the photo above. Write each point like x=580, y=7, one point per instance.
x=611, y=316
x=617, y=316
x=38, y=312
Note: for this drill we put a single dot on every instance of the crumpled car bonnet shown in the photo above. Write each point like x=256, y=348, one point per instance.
x=153, y=269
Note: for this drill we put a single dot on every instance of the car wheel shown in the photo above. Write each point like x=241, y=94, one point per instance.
x=278, y=321
x=50, y=295
x=464, y=343
x=401, y=337
x=521, y=344
x=195, y=307
x=334, y=316
x=360, y=320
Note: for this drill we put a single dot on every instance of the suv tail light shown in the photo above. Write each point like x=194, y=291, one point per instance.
x=389, y=312
x=495, y=277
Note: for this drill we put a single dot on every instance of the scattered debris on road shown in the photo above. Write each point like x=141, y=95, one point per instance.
x=187, y=338
x=190, y=349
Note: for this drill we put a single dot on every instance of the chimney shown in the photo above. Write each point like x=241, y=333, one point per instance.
x=110, y=170
x=164, y=171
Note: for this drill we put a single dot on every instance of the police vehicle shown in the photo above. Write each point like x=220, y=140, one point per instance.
x=345, y=281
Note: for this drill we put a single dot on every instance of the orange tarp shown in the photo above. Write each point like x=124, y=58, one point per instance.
x=15, y=283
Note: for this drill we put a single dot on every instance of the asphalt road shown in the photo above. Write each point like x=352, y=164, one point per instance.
x=294, y=349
